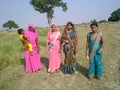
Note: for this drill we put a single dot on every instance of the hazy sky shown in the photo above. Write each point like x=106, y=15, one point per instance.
x=78, y=11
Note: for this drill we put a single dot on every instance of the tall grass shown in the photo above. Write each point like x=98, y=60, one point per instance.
x=9, y=46
x=42, y=36
x=10, y=56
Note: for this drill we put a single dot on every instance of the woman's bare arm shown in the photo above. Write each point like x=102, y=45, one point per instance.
x=102, y=42
x=76, y=42
x=87, y=44
x=37, y=43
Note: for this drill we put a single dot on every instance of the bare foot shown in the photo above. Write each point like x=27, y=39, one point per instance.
x=57, y=70
x=89, y=79
x=52, y=72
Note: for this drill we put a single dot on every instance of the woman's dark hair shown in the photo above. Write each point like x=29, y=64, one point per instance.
x=70, y=24
x=20, y=31
x=94, y=24
x=53, y=25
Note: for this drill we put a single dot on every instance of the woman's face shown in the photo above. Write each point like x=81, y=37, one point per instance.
x=69, y=26
x=94, y=28
x=53, y=28
x=31, y=29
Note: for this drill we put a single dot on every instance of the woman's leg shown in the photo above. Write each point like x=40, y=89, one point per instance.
x=57, y=58
x=38, y=61
x=99, y=66
x=70, y=62
x=51, y=67
x=27, y=61
x=91, y=70
x=33, y=62
x=66, y=64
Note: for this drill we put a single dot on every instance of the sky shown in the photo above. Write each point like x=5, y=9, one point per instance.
x=79, y=11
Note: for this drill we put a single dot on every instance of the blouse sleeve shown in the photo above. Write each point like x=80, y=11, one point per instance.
x=88, y=35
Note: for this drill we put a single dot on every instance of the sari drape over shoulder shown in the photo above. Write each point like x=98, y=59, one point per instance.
x=95, y=67
x=33, y=62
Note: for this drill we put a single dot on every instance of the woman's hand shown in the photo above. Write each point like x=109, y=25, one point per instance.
x=75, y=51
x=38, y=50
x=66, y=41
x=59, y=50
x=49, y=43
x=31, y=52
x=59, y=37
x=100, y=50
x=86, y=54
x=37, y=43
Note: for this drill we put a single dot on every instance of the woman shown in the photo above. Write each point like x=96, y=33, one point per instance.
x=70, y=47
x=94, y=48
x=53, y=46
x=33, y=63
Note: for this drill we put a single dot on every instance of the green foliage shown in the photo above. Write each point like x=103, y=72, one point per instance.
x=10, y=24
x=115, y=16
x=9, y=46
x=47, y=6
x=42, y=36
x=102, y=21
x=94, y=21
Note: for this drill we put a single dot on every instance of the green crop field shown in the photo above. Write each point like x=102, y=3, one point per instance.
x=12, y=71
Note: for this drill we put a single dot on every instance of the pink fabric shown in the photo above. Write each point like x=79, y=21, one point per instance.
x=33, y=62
x=54, y=55
x=27, y=61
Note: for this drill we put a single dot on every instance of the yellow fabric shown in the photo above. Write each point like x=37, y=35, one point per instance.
x=30, y=47
x=26, y=45
x=21, y=37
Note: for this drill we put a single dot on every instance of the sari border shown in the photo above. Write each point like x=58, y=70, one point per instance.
x=95, y=46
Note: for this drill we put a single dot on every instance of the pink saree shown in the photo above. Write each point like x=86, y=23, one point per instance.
x=33, y=62
x=54, y=54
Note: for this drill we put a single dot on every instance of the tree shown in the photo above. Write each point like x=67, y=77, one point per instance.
x=115, y=16
x=47, y=6
x=93, y=21
x=10, y=24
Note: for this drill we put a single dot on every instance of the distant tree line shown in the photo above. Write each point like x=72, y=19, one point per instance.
x=115, y=15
